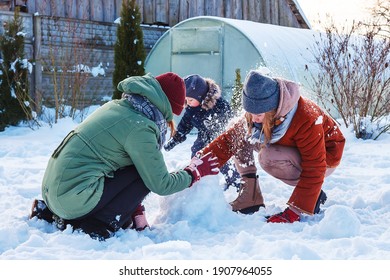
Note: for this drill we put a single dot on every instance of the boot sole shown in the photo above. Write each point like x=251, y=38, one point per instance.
x=250, y=210
x=33, y=212
x=41, y=213
x=321, y=200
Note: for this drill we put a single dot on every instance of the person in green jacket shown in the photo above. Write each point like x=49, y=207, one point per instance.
x=97, y=178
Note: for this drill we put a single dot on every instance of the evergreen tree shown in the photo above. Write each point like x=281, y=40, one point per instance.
x=237, y=92
x=130, y=53
x=14, y=96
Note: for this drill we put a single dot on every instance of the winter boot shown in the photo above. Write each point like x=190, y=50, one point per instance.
x=95, y=228
x=321, y=200
x=249, y=198
x=139, y=218
x=41, y=211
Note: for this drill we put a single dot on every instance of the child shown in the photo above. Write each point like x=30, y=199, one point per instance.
x=209, y=113
x=295, y=140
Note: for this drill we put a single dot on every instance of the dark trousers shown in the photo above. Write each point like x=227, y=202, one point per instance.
x=121, y=196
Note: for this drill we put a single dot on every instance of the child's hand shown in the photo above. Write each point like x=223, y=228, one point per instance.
x=170, y=144
x=200, y=167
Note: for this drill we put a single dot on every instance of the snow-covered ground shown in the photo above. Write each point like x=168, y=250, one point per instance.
x=197, y=224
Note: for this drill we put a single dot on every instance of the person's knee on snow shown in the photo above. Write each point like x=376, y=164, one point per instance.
x=113, y=143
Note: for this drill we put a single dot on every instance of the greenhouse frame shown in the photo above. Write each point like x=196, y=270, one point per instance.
x=215, y=47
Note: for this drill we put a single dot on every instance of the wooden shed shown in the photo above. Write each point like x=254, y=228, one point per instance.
x=168, y=12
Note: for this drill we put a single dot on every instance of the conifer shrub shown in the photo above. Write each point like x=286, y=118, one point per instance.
x=129, y=57
x=235, y=102
x=15, y=101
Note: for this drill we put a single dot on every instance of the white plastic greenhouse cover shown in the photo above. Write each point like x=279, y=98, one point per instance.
x=284, y=51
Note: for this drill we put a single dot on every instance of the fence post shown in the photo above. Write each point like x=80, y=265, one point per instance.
x=37, y=73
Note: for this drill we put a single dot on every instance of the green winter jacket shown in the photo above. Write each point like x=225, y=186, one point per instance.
x=114, y=136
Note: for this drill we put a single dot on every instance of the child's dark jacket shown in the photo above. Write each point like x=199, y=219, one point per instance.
x=210, y=118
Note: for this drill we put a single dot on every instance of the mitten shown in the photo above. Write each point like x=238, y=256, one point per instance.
x=170, y=144
x=176, y=139
x=200, y=167
x=287, y=216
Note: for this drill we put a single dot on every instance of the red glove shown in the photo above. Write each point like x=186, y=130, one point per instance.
x=200, y=167
x=287, y=216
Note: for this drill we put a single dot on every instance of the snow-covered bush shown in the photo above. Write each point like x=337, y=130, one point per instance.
x=353, y=77
x=15, y=102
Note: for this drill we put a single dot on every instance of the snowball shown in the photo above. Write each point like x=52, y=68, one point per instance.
x=339, y=222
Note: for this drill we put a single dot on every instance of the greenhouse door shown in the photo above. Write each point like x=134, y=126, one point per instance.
x=197, y=50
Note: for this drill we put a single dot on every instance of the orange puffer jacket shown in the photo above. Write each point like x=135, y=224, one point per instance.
x=315, y=134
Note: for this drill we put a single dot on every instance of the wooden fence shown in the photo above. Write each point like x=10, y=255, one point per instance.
x=72, y=56
x=170, y=12
x=58, y=31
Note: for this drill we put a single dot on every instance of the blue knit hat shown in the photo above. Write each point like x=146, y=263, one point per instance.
x=196, y=87
x=260, y=93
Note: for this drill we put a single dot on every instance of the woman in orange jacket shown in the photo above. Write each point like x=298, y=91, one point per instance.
x=296, y=141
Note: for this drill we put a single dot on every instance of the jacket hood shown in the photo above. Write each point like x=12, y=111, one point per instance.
x=212, y=95
x=289, y=96
x=149, y=87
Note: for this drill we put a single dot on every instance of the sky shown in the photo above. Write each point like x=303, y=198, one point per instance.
x=342, y=11
x=197, y=223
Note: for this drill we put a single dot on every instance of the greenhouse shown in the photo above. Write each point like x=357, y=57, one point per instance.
x=215, y=47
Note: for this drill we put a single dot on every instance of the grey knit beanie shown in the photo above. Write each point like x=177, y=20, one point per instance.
x=196, y=87
x=260, y=93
